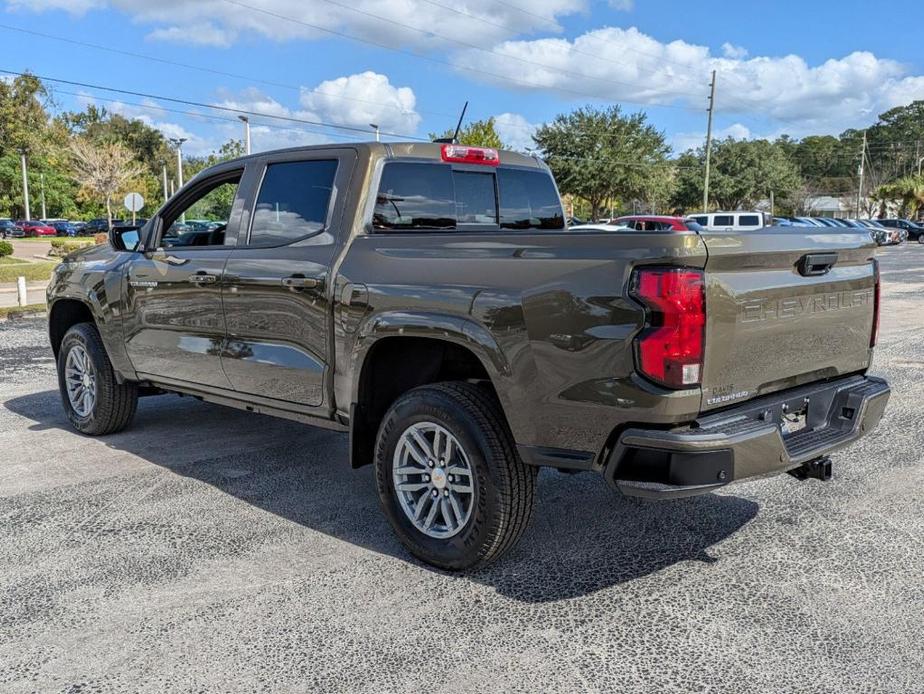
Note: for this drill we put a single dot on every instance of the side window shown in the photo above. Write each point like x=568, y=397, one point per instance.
x=203, y=221
x=748, y=220
x=415, y=196
x=701, y=220
x=293, y=201
x=528, y=200
x=723, y=220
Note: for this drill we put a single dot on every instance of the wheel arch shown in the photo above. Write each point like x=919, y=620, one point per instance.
x=416, y=349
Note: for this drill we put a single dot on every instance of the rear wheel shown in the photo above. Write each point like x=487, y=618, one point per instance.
x=95, y=402
x=449, y=478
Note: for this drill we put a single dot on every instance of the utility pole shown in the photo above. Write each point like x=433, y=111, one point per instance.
x=709, y=144
x=25, y=185
x=42, y=180
x=862, y=161
x=164, y=165
x=246, y=121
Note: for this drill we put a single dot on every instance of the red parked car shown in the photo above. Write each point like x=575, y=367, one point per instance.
x=37, y=229
x=644, y=222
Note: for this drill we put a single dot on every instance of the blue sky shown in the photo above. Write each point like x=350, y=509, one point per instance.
x=784, y=66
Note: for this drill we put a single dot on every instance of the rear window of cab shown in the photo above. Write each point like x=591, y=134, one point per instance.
x=417, y=196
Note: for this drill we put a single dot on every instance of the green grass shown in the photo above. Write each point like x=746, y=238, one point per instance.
x=7, y=311
x=31, y=271
x=7, y=260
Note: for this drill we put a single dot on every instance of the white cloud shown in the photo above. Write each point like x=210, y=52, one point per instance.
x=616, y=64
x=409, y=23
x=203, y=34
x=515, y=131
x=730, y=50
x=623, y=5
x=358, y=100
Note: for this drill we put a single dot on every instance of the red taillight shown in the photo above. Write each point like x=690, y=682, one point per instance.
x=874, y=336
x=670, y=350
x=463, y=154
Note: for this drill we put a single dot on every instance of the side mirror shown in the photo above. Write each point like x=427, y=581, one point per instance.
x=124, y=238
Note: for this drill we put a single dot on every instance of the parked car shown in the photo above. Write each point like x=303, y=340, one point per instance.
x=915, y=230
x=642, y=222
x=64, y=228
x=438, y=309
x=99, y=225
x=729, y=221
x=36, y=228
x=9, y=229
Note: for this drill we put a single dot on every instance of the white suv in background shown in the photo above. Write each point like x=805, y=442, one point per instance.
x=730, y=221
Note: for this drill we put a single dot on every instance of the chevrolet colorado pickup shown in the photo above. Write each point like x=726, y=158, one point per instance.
x=430, y=300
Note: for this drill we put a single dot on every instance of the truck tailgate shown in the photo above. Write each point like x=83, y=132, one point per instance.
x=777, y=318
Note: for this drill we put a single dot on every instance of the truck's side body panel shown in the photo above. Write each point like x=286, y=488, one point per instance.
x=552, y=308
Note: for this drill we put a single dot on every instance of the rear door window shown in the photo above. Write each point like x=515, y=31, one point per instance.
x=293, y=201
x=723, y=220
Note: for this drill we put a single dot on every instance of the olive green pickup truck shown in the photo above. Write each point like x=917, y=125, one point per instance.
x=430, y=300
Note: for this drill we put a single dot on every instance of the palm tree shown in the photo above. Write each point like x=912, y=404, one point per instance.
x=907, y=191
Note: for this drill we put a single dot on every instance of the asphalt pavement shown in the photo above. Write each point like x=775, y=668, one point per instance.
x=207, y=549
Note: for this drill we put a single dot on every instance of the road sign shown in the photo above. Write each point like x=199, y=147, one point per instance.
x=134, y=202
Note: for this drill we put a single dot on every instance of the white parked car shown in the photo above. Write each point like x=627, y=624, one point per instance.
x=730, y=221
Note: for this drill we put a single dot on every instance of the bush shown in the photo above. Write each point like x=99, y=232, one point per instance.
x=6, y=248
x=61, y=247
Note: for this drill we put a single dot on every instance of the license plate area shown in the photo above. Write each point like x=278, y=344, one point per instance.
x=793, y=422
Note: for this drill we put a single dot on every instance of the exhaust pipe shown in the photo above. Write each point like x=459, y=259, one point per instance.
x=818, y=469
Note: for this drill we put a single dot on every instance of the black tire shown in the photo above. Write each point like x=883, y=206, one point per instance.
x=115, y=402
x=504, y=485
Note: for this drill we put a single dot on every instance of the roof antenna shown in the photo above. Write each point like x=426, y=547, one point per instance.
x=455, y=136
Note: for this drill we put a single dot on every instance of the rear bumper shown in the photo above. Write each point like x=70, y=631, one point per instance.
x=745, y=441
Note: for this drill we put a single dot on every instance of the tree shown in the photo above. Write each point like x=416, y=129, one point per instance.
x=743, y=173
x=907, y=191
x=479, y=133
x=104, y=169
x=601, y=154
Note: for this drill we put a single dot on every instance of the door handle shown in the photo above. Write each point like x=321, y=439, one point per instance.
x=816, y=264
x=203, y=278
x=301, y=282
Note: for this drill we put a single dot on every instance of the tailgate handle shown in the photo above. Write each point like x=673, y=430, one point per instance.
x=816, y=263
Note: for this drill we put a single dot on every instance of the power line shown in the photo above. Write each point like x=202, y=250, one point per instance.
x=439, y=61
x=213, y=71
x=199, y=104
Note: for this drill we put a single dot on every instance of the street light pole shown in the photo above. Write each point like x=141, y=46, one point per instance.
x=178, y=143
x=25, y=185
x=164, y=165
x=42, y=179
x=375, y=127
x=246, y=121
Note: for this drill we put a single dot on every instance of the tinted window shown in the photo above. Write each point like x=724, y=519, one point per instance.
x=293, y=201
x=528, y=200
x=749, y=220
x=415, y=196
x=723, y=220
x=701, y=220
x=476, y=201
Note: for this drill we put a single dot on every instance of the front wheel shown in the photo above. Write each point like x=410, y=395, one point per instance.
x=95, y=402
x=449, y=478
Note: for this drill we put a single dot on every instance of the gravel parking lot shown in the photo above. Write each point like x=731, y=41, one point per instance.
x=209, y=549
